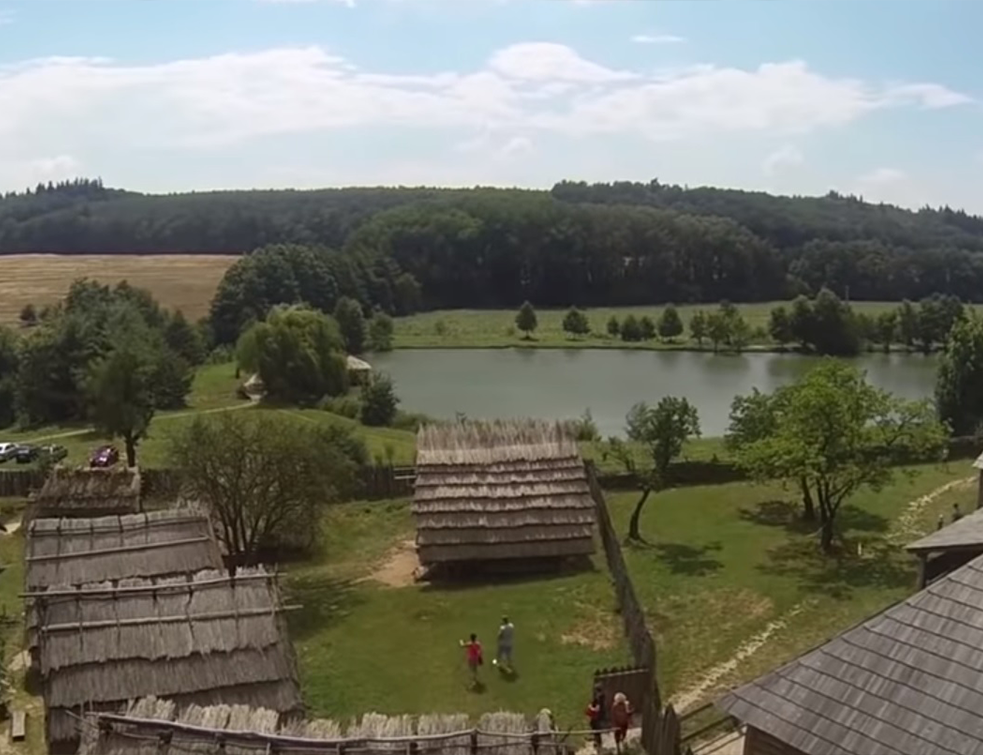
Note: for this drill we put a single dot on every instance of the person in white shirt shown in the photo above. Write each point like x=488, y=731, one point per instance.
x=506, y=634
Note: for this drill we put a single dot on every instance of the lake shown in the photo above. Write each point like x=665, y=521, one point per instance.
x=562, y=383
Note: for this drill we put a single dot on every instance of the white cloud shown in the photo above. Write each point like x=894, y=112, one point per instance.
x=657, y=39
x=786, y=156
x=89, y=107
x=882, y=177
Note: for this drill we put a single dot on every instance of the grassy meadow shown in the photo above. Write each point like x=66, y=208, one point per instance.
x=723, y=563
x=495, y=328
x=368, y=639
x=178, y=281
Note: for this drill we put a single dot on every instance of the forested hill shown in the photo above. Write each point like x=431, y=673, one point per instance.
x=621, y=243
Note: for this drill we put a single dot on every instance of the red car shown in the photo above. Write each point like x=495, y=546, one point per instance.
x=103, y=457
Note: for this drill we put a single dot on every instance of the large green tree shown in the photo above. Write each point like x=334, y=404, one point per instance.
x=348, y=314
x=836, y=433
x=959, y=385
x=660, y=432
x=265, y=477
x=298, y=353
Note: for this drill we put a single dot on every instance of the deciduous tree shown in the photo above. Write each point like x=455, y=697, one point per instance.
x=780, y=326
x=381, y=332
x=959, y=385
x=698, y=326
x=575, y=322
x=838, y=434
x=670, y=324
x=662, y=431
x=379, y=401
x=264, y=477
x=526, y=320
x=348, y=314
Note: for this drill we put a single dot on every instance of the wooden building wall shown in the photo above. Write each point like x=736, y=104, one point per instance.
x=757, y=742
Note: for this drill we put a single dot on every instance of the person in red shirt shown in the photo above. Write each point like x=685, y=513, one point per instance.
x=594, y=719
x=473, y=655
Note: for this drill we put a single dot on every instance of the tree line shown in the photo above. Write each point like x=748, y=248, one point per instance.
x=590, y=245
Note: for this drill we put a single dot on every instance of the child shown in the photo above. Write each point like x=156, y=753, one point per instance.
x=503, y=656
x=473, y=654
x=621, y=712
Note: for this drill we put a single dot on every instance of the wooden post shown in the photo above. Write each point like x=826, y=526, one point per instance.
x=979, y=491
x=922, y=570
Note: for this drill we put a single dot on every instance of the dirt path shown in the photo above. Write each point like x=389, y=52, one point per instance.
x=400, y=568
x=689, y=697
x=905, y=529
x=160, y=418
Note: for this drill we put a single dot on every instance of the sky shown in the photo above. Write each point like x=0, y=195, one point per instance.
x=880, y=98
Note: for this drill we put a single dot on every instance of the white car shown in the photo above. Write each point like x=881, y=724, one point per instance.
x=7, y=451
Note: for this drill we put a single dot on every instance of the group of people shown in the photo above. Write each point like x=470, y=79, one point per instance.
x=474, y=655
x=602, y=719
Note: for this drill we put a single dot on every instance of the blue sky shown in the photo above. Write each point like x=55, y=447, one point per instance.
x=794, y=96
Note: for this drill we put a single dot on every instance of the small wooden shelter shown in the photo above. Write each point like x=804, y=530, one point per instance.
x=947, y=549
x=906, y=682
x=359, y=371
x=160, y=727
x=493, y=491
x=61, y=554
x=205, y=640
x=71, y=492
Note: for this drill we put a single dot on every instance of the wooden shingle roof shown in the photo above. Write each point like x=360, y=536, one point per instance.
x=908, y=681
x=966, y=532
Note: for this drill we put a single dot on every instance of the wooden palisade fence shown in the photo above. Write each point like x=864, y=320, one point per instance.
x=660, y=727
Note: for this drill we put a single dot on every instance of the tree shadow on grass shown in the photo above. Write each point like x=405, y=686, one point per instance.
x=788, y=514
x=838, y=574
x=689, y=560
x=324, y=603
x=778, y=513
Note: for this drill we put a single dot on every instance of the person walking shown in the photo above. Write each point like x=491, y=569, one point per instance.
x=621, y=712
x=473, y=655
x=594, y=720
x=503, y=654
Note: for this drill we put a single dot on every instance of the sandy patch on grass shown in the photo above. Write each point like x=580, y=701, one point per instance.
x=400, y=568
x=596, y=629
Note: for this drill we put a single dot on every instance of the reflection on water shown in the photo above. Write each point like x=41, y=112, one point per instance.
x=562, y=383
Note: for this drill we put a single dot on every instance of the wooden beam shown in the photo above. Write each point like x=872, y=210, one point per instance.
x=188, y=617
x=118, y=549
x=18, y=726
x=153, y=588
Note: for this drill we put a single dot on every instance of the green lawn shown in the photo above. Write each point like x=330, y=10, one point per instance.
x=366, y=646
x=468, y=328
x=725, y=561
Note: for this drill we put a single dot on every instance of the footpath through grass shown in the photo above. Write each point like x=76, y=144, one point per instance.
x=368, y=639
x=495, y=328
x=723, y=562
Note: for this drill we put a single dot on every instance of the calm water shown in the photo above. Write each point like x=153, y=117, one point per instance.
x=559, y=384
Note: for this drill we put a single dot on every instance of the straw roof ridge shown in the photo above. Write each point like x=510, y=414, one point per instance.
x=69, y=526
x=374, y=731
x=477, y=441
x=65, y=482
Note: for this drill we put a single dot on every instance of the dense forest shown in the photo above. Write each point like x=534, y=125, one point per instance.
x=581, y=244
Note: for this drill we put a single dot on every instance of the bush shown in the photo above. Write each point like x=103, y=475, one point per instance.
x=343, y=406
x=379, y=402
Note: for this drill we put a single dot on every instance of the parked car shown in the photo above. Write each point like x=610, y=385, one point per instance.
x=7, y=451
x=26, y=454
x=54, y=454
x=104, y=456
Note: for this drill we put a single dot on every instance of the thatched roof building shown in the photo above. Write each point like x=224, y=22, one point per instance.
x=209, y=640
x=87, y=492
x=501, y=490
x=61, y=554
x=163, y=728
x=905, y=682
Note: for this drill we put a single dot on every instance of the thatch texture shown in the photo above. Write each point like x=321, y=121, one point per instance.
x=501, y=490
x=206, y=641
x=87, y=492
x=246, y=731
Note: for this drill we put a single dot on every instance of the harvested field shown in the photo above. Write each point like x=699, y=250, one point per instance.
x=178, y=281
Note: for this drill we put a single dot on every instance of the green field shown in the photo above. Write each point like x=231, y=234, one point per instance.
x=725, y=561
x=495, y=328
x=368, y=639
